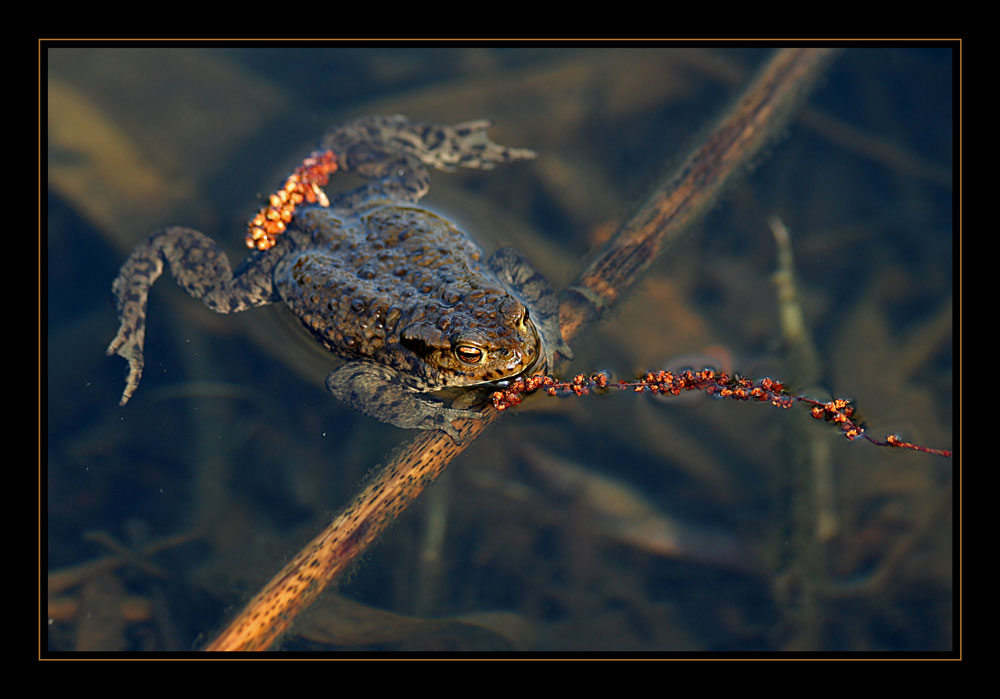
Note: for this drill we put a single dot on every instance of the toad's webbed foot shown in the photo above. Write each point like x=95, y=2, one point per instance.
x=375, y=390
x=397, y=152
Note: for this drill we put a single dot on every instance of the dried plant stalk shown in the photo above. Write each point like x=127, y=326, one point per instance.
x=757, y=116
x=304, y=578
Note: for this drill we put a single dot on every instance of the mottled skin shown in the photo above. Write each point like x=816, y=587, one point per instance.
x=399, y=292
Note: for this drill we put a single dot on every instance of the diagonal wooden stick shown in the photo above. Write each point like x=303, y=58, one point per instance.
x=755, y=118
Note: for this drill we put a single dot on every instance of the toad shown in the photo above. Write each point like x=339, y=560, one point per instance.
x=405, y=297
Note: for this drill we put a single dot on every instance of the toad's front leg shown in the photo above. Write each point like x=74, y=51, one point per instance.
x=200, y=267
x=376, y=391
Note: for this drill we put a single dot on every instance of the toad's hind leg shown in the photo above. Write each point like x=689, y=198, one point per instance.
x=534, y=290
x=396, y=153
x=200, y=267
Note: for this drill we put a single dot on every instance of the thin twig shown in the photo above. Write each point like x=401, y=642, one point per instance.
x=759, y=114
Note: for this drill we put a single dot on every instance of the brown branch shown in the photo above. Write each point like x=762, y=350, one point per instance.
x=760, y=113
x=304, y=578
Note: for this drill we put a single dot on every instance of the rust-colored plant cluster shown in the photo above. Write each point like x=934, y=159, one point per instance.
x=303, y=185
x=838, y=411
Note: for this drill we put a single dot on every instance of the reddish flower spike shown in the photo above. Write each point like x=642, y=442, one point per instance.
x=302, y=185
x=838, y=411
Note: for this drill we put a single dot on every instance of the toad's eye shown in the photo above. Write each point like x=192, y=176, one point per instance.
x=469, y=354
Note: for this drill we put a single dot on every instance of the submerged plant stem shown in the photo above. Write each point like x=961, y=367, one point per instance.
x=754, y=120
x=324, y=558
